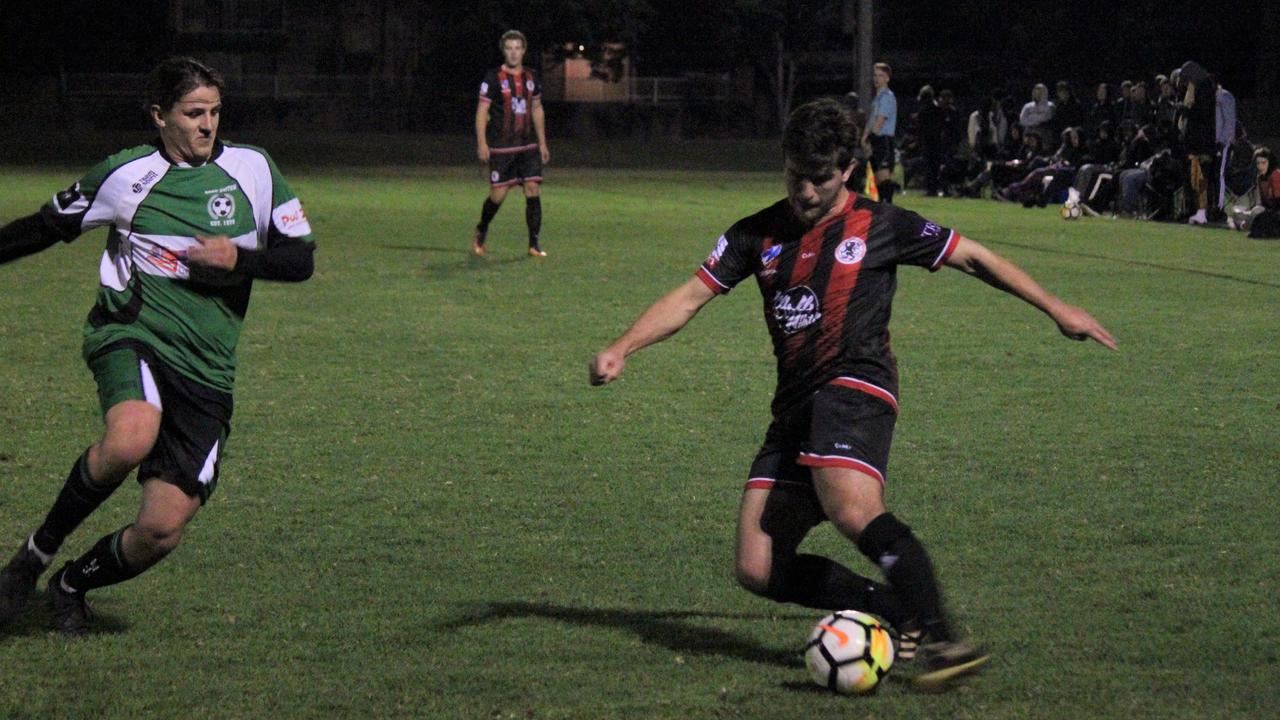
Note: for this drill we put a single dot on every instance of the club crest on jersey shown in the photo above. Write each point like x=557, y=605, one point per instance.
x=851, y=250
x=506, y=85
x=770, y=254
x=714, y=257
x=528, y=85
x=796, y=309
x=222, y=209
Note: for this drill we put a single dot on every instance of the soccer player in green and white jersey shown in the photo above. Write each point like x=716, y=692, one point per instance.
x=192, y=222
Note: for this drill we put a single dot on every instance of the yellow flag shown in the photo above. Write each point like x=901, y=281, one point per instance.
x=871, y=191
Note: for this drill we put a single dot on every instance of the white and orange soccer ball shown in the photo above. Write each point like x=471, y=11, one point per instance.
x=849, y=652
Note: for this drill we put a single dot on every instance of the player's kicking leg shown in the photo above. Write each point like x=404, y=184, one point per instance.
x=854, y=502
x=122, y=555
x=772, y=521
x=131, y=429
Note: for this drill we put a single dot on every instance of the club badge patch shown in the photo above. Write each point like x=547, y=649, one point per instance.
x=851, y=251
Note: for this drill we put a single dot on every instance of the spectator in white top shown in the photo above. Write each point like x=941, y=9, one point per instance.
x=1225, y=134
x=1036, y=117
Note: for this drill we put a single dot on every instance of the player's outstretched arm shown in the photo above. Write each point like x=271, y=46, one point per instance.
x=663, y=319
x=975, y=259
x=27, y=236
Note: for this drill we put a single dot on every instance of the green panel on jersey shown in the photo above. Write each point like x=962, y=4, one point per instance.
x=195, y=201
x=199, y=342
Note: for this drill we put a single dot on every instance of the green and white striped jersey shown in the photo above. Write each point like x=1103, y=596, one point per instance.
x=155, y=207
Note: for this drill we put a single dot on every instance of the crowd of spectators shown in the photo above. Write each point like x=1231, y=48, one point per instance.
x=1172, y=149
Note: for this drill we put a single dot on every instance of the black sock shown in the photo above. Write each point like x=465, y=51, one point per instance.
x=103, y=565
x=78, y=498
x=486, y=214
x=891, y=545
x=533, y=218
x=887, y=190
x=821, y=583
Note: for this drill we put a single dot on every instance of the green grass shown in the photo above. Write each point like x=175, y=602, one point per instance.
x=425, y=512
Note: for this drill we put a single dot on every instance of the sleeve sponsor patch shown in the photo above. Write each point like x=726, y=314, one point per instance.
x=290, y=219
x=717, y=253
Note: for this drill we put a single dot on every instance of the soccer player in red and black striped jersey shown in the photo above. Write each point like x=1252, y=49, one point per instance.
x=511, y=136
x=826, y=264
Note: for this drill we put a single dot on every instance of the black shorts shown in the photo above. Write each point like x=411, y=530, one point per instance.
x=194, y=419
x=882, y=152
x=845, y=423
x=514, y=168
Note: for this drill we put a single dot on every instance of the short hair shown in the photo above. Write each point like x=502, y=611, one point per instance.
x=819, y=133
x=512, y=35
x=883, y=66
x=1265, y=152
x=177, y=76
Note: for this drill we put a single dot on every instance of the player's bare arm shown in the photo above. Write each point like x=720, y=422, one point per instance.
x=663, y=319
x=977, y=260
x=482, y=125
x=540, y=127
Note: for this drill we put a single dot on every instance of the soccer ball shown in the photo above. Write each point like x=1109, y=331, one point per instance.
x=1070, y=210
x=849, y=652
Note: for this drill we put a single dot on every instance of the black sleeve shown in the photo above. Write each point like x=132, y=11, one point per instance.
x=286, y=260
x=26, y=236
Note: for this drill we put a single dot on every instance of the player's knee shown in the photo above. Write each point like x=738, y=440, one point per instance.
x=851, y=521
x=160, y=536
x=119, y=454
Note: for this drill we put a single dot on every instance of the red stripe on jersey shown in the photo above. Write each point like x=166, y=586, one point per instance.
x=504, y=84
x=811, y=460
x=759, y=484
x=868, y=388
x=835, y=301
x=952, y=242
x=518, y=91
x=710, y=281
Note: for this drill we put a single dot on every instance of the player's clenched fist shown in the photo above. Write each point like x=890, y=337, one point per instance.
x=606, y=367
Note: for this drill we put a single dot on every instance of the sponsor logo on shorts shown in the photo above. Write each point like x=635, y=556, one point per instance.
x=796, y=309
x=851, y=251
x=493, y=176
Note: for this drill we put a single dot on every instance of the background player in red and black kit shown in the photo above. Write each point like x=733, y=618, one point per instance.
x=826, y=261
x=511, y=136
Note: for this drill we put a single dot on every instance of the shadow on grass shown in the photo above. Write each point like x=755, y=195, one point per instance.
x=466, y=262
x=37, y=620
x=676, y=630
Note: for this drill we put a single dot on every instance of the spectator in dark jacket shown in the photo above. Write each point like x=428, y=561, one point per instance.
x=1068, y=112
x=1101, y=109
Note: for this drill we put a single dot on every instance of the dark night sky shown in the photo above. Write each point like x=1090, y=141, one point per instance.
x=1022, y=41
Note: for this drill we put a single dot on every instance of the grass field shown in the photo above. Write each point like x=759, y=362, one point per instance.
x=426, y=512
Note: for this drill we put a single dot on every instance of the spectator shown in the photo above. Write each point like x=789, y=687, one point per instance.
x=1245, y=199
x=1197, y=124
x=1134, y=171
x=931, y=119
x=1067, y=112
x=987, y=129
x=1036, y=117
x=1122, y=102
x=1224, y=134
x=1138, y=110
x=1266, y=225
x=1166, y=104
x=1101, y=110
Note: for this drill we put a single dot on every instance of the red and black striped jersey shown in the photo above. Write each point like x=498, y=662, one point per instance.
x=828, y=289
x=510, y=96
